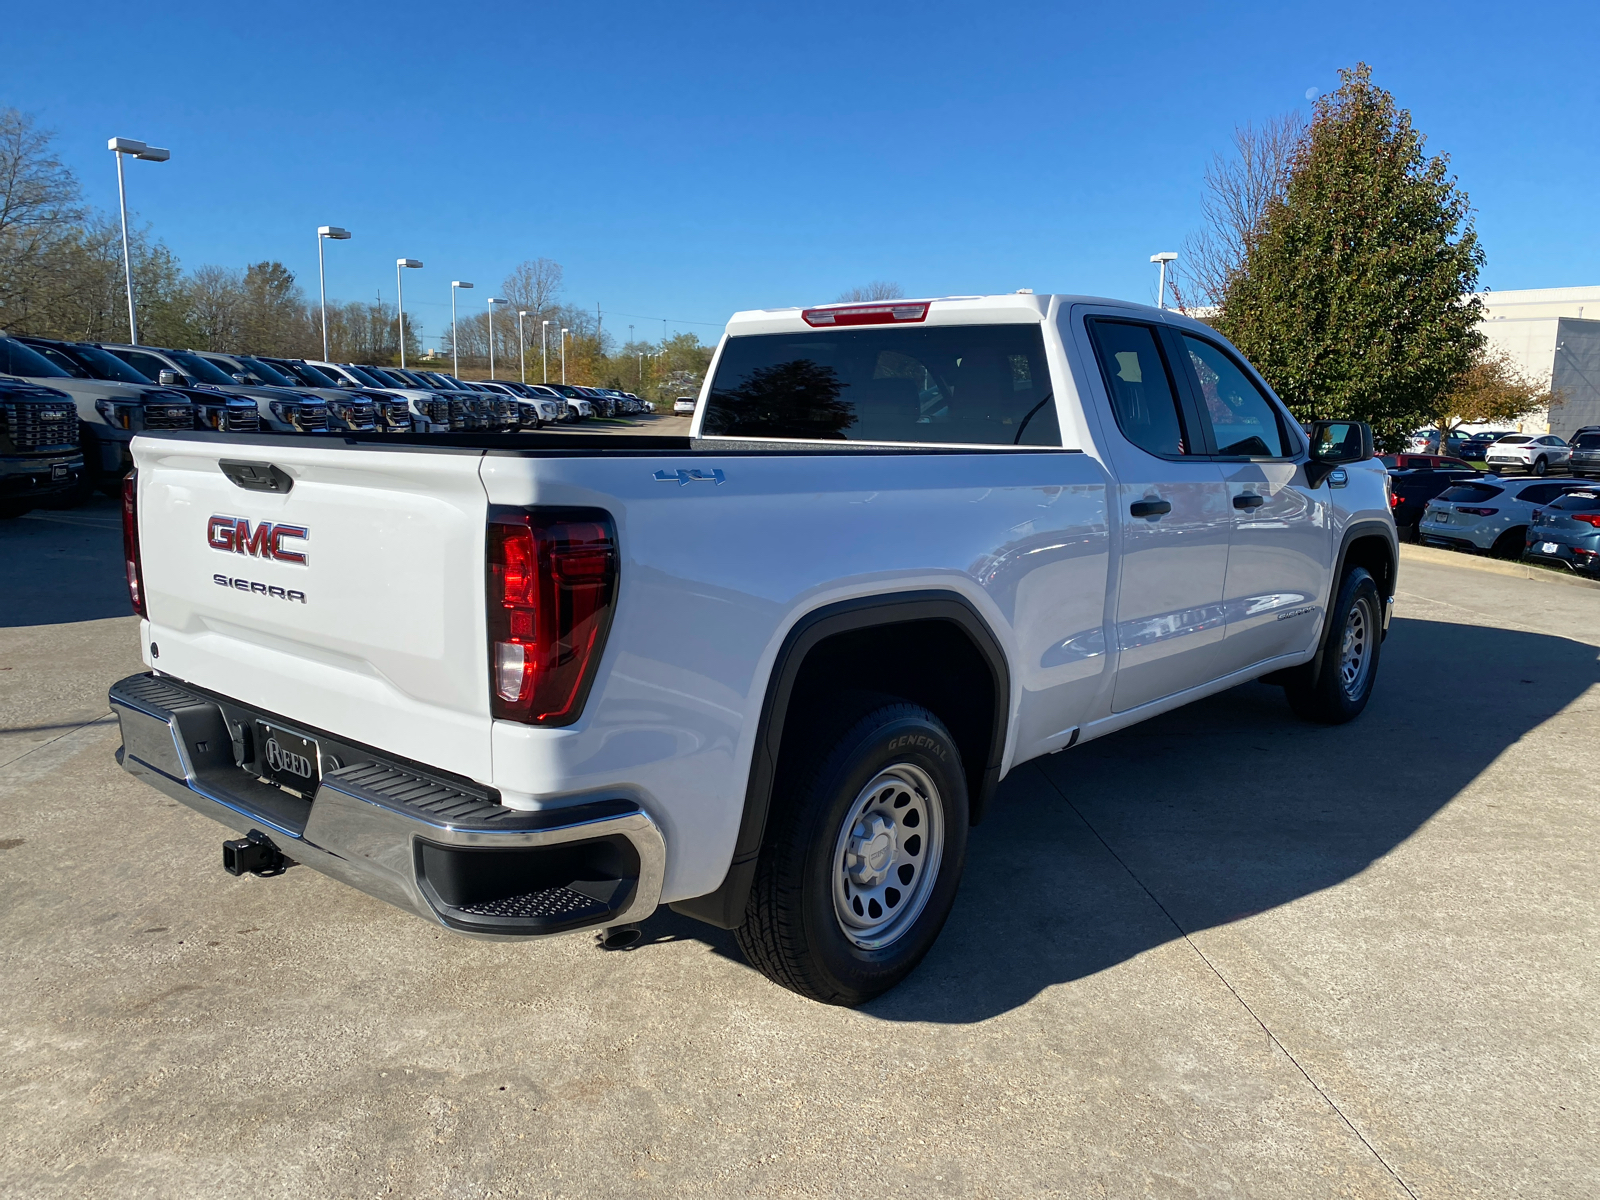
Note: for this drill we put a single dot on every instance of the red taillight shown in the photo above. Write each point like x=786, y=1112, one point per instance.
x=130, y=542
x=1587, y=518
x=552, y=582
x=1394, y=500
x=868, y=314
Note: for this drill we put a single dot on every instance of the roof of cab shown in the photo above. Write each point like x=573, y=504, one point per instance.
x=1011, y=308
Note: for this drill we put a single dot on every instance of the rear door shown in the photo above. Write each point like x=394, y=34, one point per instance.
x=350, y=603
x=1173, y=514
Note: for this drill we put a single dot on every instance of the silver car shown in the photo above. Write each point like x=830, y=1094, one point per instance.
x=1490, y=513
x=1533, y=453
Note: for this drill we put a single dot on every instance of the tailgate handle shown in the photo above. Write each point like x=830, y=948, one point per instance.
x=256, y=476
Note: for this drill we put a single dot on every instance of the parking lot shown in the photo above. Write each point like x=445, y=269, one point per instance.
x=1223, y=953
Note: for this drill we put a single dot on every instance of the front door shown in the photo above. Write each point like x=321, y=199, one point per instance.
x=1282, y=538
x=1173, y=516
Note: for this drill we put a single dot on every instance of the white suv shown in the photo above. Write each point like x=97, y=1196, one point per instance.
x=1489, y=513
x=1527, y=452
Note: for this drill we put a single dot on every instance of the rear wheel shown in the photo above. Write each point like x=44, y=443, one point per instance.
x=1540, y=466
x=1335, y=686
x=1510, y=543
x=863, y=855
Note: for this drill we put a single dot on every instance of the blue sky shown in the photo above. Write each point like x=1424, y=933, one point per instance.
x=688, y=161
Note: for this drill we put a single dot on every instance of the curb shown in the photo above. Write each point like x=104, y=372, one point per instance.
x=1495, y=566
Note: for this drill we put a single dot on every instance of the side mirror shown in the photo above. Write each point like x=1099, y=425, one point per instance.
x=1334, y=443
x=240, y=377
x=167, y=378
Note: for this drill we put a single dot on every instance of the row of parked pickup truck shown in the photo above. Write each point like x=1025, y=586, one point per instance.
x=119, y=391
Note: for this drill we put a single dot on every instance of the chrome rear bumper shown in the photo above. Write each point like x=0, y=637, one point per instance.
x=421, y=842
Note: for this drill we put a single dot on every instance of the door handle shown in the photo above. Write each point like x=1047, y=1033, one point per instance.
x=1149, y=508
x=1248, y=500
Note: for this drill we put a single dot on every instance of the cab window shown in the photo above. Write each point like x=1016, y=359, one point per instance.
x=1143, y=399
x=1243, y=421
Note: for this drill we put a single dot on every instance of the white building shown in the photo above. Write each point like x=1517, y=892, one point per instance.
x=1553, y=336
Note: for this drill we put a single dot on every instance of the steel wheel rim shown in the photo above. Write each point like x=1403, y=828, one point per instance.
x=1355, y=651
x=886, y=858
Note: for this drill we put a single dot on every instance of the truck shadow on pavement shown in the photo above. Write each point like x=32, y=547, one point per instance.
x=65, y=564
x=1225, y=808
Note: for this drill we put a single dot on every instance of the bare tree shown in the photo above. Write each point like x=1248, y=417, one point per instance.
x=533, y=285
x=1239, y=189
x=35, y=189
x=878, y=289
x=217, y=297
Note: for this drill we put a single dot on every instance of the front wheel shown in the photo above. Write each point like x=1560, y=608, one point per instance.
x=863, y=855
x=1335, y=686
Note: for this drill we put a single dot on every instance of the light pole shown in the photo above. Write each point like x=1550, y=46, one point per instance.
x=493, y=300
x=1163, y=258
x=400, y=264
x=455, y=346
x=522, y=345
x=325, y=233
x=119, y=147
x=563, y=355
x=544, y=348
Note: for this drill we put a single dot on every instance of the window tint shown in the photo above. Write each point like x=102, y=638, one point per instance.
x=103, y=364
x=1578, y=502
x=1589, y=441
x=267, y=375
x=57, y=359
x=146, y=364
x=1142, y=397
x=1517, y=439
x=953, y=384
x=1242, y=419
x=1470, y=493
x=1542, y=493
x=199, y=368
x=17, y=359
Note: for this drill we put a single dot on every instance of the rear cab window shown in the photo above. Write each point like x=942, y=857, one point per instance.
x=983, y=385
x=1470, y=493
x=1578, y=502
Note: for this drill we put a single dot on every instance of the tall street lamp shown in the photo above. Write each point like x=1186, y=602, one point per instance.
x=400, y=265
x=325, y=233
x=455, y=346
x=544, y=348
x=522, y=345
x=119, y=147
x=493, y=300
x=563, y=355
x=1163, y=258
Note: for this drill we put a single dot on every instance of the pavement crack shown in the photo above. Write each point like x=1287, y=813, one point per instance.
x=1243, y=1003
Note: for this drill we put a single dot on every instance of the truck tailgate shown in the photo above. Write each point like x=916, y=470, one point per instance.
x=377, y=635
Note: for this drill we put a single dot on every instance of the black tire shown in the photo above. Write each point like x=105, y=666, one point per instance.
x=793, y=932
x=1510, y=544
x=1322, y=690
x=1540, y=466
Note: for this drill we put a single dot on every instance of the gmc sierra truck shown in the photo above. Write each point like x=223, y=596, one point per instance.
x=769, y=673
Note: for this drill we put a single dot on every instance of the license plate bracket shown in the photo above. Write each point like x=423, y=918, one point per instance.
x=288, y=759
x=58, y=471
x=1547, y=548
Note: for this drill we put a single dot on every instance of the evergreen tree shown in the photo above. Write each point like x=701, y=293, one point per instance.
x=1353, y=298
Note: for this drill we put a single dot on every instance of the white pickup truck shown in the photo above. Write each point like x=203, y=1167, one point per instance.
x=769, y=673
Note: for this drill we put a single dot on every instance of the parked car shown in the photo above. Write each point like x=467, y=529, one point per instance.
x=683, y=406
x=1567, y=531
x=1406, y=462
x=622, y=675
x=1585, y=460
x=1477, y=445
x=1411, y=488
x=489, y=404
x=348, y=412
x=110, y=410
x=281, y=410
x=1534, y=453
x=1490, y=513
x=579, y=406
x=432, y=411
x=391, y=411
x=40, y=456
x=532, y=414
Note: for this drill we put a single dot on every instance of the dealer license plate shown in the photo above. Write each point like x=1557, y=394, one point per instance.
x=287, y=759
x=58, y=470
x=1547, y=547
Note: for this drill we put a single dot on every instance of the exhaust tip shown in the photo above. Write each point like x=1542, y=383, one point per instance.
x=253, y=854
x=619, y=937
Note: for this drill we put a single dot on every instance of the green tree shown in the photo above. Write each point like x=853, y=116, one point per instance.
x=1353, y=296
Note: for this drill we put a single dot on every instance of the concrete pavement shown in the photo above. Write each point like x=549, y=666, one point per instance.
x=1221, y=954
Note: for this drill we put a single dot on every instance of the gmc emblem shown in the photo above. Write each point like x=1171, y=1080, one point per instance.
x=264, y=541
